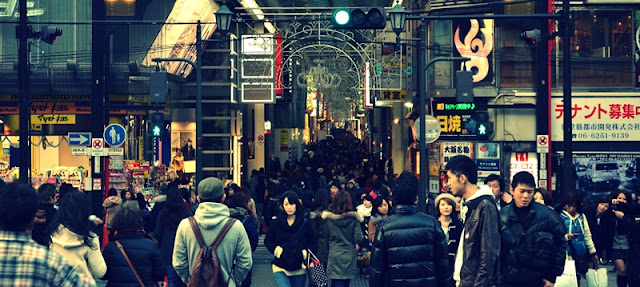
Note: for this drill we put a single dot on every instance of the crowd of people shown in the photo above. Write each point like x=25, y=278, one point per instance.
x=338, y=202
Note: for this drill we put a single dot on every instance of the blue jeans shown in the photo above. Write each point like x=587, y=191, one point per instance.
x=282, y=280
x=340, y=282
x=173, y=279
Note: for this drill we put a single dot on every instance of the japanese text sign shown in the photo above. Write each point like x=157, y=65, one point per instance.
x=598, y=119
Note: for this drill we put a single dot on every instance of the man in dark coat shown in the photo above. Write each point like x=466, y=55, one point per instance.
x=409, y=248
x=533, y=238
x=476, y=261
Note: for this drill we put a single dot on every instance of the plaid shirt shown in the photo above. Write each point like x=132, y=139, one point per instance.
x=23, y=262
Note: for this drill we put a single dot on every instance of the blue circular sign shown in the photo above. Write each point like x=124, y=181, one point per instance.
x=114, y=135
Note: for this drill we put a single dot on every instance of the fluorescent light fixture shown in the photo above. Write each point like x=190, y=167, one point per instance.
x=269, y=27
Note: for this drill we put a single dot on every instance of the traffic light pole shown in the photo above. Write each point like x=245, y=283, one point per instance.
x=25, y=95
x=197, y=65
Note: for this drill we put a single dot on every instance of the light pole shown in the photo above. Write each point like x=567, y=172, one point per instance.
x=223, y=21
x=398, y=16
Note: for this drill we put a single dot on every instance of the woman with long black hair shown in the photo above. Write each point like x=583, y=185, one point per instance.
x=288, y=238
x=73, y=238
x=173, y=211
x=621, y=247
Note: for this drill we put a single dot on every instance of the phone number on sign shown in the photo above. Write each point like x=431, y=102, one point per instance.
x=600, y=136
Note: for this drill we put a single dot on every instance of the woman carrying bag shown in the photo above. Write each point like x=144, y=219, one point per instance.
x=288, y=237
x=580, y=246
x=344, y=229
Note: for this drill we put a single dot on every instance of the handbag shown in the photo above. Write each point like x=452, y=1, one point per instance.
x=364, y=258
x=315, y=270
x=581, y=260
x=568, y=277
x=597, y=278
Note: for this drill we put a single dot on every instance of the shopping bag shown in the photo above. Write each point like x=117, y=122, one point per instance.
x=568, y=277
x=597, y=278
x=315, y=270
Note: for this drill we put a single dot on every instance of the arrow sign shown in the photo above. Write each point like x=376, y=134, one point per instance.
x=79, y=138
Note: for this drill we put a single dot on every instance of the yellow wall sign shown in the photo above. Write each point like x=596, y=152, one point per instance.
x=394, y=95
x=51, y=119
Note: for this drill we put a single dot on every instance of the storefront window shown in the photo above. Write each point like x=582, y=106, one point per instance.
x=442, y=46
x=217, y=126
x=601, y=49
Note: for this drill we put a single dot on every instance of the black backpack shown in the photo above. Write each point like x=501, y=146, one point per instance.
x=206, y=268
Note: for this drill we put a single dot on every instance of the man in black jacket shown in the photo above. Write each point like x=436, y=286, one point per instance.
x=477, y=261
x=533, y=239
x=409, y=248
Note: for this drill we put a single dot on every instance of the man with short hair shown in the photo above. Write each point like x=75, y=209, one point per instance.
x=477, y=261
x=23, y=262
x=211, y=216
x=409, y=248
x=497, y=185
x=533, y=238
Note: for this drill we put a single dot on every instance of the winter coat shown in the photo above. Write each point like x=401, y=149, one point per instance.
x=72, y=247
x=602, y=229
x=409, y=250
x=373, y=226
x=159, y=202
x=344, y=233
x=111, y=205
x=249, y=224
x=540, y=219
x=281, y=234
x=578, y=224
x=481, y=244
x=166, y=237
x=234, y=251
x=453, y=238
x=144, y=255
x=322, y=235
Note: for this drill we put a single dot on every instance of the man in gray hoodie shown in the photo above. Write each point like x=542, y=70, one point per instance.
x=211, y=216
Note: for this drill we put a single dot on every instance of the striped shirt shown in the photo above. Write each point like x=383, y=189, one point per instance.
x=23, y=262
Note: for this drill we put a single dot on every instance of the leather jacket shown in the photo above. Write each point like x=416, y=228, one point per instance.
x=481, y=243
x=540, y=218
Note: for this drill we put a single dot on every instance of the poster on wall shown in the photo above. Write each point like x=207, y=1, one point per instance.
x=524, y=161
x=599, y=174
x=451, y=149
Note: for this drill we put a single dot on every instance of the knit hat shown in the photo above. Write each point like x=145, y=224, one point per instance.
x=449, y=196
x=210, y=188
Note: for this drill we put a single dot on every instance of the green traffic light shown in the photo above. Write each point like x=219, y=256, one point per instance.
x=341, y=17
x=156, y=131
x=482, y=129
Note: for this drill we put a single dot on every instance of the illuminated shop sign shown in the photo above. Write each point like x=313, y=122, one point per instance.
x=456, y=119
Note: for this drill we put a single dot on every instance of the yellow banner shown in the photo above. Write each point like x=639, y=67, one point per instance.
x=51, y=119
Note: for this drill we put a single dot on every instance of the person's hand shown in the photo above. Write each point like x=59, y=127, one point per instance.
x=278, y=251
x=596, y=261
x=547, y=283
x=506, y=197
x=619, y=214
x=571, y=236
x=357, y=247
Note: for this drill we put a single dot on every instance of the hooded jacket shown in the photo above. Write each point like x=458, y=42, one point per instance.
x=249, y=224
x=479, y=265
x=344, y=233
x=233, y=249
x=71, y=246
x=111, y=205
x=578, y=224
x=409, y=250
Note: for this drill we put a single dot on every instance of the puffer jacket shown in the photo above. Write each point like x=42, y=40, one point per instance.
x=144, y=255
x=481, y=241
x=410, y=249
x=72, y=247
x=281, y=234
x=540, y=218
x=111, y=205
x=344, y=233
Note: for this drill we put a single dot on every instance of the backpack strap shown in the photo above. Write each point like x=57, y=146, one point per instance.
x=129, y=262
x=223, y=232
x=196, y=231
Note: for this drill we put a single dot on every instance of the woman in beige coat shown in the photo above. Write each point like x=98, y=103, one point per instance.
x=74, y=239
x=111, y=205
